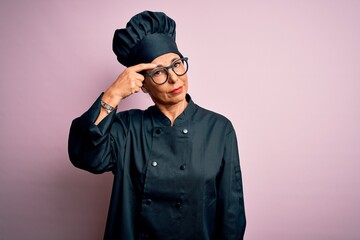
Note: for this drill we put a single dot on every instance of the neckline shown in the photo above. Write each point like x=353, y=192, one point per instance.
x=188, y=111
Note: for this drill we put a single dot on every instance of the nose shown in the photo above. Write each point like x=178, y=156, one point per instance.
x=172, y=76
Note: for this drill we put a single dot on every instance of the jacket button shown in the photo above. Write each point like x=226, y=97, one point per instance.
x=178, y=205
x=182, y=167
x=185, y=131
x=154, y=163
x=158, y=131
x=148, y=201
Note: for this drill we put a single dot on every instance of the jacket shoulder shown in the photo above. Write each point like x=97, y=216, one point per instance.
x=213, y=118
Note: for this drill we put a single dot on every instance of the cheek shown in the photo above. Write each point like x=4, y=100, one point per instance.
x=152, y=88
x=149, y=85
x=185, y=80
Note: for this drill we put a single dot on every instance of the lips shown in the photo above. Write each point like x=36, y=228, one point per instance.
x=177, y=90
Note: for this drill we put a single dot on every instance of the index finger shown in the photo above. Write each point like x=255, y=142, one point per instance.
x=143, y=66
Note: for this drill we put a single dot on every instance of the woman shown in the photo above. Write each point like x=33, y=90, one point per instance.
x=176, y=165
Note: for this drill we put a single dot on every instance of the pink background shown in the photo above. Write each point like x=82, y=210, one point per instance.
x=287, y=73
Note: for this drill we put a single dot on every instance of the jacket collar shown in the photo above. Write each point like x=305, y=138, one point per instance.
x=181, y=119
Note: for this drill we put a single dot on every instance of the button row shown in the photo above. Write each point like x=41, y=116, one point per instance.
x=154, y=164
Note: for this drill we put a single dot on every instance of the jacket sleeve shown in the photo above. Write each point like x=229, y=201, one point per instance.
x=90, y=146
x=232, y=219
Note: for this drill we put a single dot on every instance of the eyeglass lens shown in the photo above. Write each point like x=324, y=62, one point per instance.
x=160, y=75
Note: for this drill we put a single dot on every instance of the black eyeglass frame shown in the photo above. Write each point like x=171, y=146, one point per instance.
x=166, y=69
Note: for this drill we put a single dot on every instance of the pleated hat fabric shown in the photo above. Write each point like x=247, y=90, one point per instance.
x=147, y=36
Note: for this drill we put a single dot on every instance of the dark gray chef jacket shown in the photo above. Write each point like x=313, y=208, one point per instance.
x=170, y=182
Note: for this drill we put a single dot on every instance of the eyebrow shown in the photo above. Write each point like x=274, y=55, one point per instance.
x=172, y=61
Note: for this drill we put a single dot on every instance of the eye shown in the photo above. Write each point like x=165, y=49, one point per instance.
x=157, y=72
x=177, y=64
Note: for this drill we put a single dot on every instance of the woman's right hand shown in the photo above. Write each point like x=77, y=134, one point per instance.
x=128, y=82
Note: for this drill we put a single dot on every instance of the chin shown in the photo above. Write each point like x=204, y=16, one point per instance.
x=174, y=99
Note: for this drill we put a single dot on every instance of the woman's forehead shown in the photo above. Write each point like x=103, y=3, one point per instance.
x=165, y=59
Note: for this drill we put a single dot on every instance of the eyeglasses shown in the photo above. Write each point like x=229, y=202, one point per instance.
x=160, y=75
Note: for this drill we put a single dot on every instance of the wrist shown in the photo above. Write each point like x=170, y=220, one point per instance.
x=111, y=98
x=108, y=108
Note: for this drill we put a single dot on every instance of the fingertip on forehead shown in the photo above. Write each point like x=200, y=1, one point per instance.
x=147, y=66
